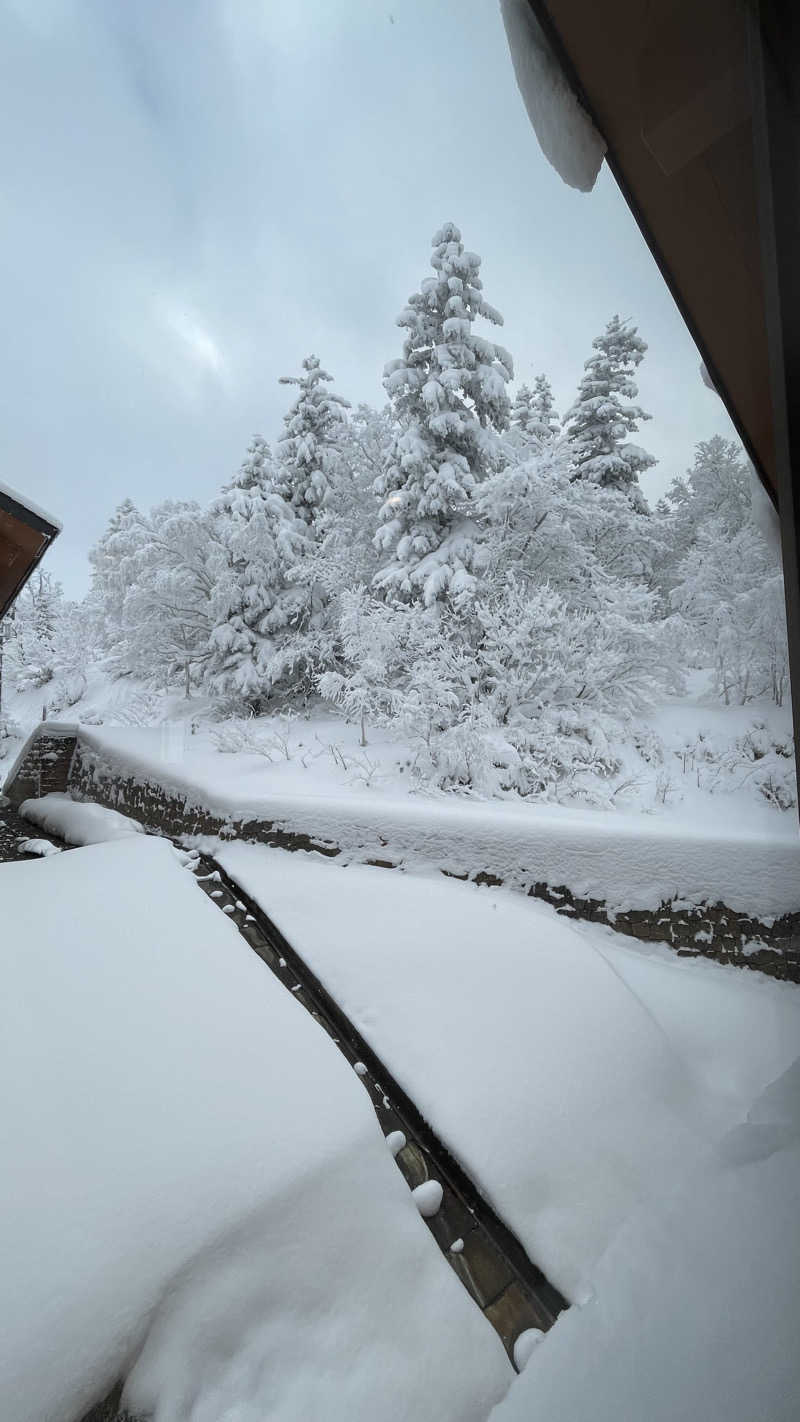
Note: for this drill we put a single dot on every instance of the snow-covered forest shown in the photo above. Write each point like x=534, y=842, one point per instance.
x=464, y=569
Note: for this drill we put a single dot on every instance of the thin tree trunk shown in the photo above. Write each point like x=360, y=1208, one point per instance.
x=363, y=727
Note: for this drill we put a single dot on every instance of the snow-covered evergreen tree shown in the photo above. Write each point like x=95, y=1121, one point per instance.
x=258, y=537
x=601, y=417
x=448, y=396
x=521, y=412
x=257, y=469
x=31, y=645
x=309, y=453
x=127, y=533
x=543, y=421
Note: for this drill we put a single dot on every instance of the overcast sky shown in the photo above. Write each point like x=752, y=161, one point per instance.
x=197, y=193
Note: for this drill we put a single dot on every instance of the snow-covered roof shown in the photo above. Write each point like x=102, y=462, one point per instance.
x=28, y=504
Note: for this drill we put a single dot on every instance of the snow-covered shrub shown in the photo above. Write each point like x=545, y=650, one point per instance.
x=137, y=708
x=274, y=742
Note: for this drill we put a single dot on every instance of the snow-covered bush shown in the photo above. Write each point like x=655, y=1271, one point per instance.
x=274, y=742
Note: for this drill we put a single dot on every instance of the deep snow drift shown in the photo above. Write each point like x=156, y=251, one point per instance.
x=572, y=1077
x=597, y=1091
x=174, y=1121
x=693, y=1313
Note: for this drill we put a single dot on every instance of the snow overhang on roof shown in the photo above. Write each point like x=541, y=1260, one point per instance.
x=26, y=532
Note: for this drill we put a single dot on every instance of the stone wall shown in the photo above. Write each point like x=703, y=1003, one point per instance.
x=44, y=763
x=709, y=930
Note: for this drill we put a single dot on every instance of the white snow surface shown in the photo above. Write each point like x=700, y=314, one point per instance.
x=750, y=862
x=693, y=1312
x=194, y=1179
x=42, y=847
x=566, y=134
x=574, y=1078
x=78, y=821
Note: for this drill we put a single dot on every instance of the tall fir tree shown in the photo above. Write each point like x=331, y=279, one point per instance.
x=257, y=469
x=449, y=400
x=543, y=419
x=601, y=416
x=533, y=415
x=521, y=411
x=309, y=452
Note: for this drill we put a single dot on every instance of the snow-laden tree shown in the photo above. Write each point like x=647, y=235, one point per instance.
x=258, y=538
x=521, y=413
x=112, y=559
x=309, y=452
x=724, y=576
x=526, y=511
x=729, y=589
x=448, y=397
x=165, y=564
x=30, y=651
x=718, y=486
x=48, y=643
x=257, y=469
x=543, y=421
x=602, y=416
x=370, y=658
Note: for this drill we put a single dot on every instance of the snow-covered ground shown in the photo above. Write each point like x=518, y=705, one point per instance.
x=198, y=1190
x=574, y=1077
x=627, y=859
x=616, y=1104
x=194, y=1179
x=693, y=1311
x=688, y=825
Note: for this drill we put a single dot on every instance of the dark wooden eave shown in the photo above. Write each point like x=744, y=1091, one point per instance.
x=25, y=536
x=699, y=103
x=667, y=83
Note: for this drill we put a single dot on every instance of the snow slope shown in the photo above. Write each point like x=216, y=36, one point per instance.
x=573, y=1079
x=192, y=1174
x=628, y=859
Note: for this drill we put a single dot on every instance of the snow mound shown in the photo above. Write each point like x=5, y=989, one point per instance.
x=566, y=134
x=78, y=822
x=42, y=847
x=193, y=1180
x=574, y=1079
x=694, y=1307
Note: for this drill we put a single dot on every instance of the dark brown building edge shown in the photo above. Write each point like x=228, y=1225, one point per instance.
x=774, y=41
x=25, y=536
x=699, y=104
